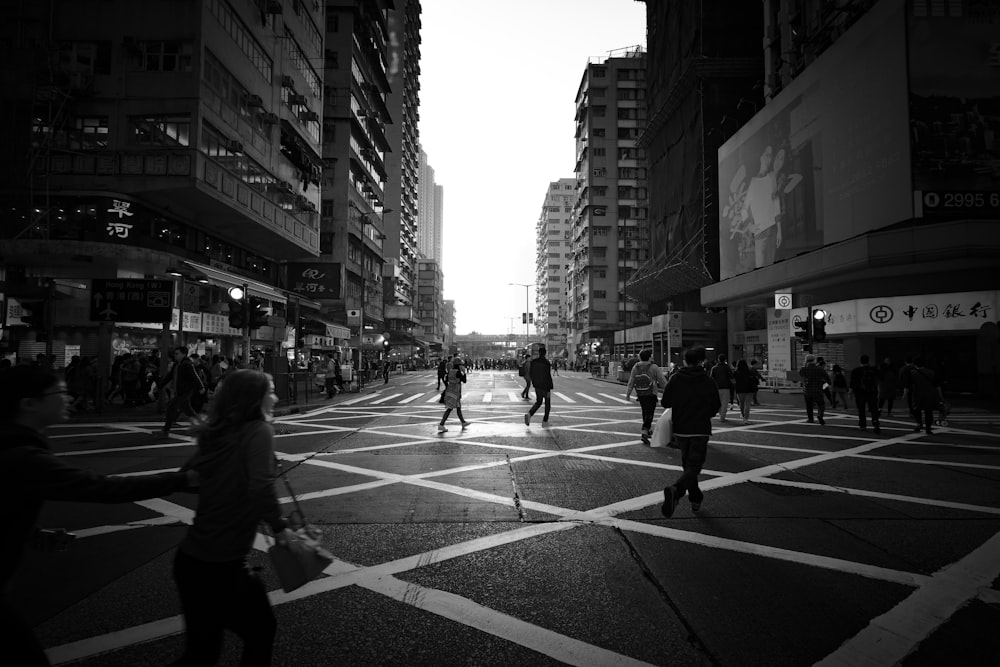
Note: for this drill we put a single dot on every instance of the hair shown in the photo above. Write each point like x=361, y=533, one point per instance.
x=20, y=382
x=864, y=359
x=721, y=359
x=644, y=355
x=742, y=367
x=238, y=399
x=836, y=368
x=694, y=356
x=541, y=350
x=180, y=348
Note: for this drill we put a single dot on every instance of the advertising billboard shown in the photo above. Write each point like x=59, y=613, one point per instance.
x=828, y=158
x=954, y=63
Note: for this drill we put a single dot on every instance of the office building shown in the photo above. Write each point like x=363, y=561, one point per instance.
x=553, y=253
x=430, y=234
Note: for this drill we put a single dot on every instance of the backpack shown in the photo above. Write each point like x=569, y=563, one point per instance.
x=869, y=381
x=643, y=382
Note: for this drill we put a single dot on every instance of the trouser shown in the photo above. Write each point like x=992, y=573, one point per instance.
x=839, y=396
x=330, y=384
x=694, y=449
x=178, y=404
x=724, y=407
x=764, y=246
x=440, y=380
x=887, y=398
x=540, y=396
x=924, y=417
x=869, y=403
x=745, y=399
x=648, y=405
x=814, y=399
x=220, y=596
x=527, y=386
x=447, y=413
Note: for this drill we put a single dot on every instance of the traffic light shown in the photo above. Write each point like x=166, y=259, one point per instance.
x=531, y=318
x=237, y=314
x=819, y=326
x=385, y=344
x=524, y=318
x=805, y=335
x=257, y=314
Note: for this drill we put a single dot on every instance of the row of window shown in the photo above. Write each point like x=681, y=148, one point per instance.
x=301, y=62
x=161, y=56
x=241, y=34
x=234, y=96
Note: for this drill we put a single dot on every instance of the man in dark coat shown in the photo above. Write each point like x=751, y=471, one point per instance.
x=864, y=383
x=540, y=375
x=813, y=379
x=694, y=399
x=186, y=384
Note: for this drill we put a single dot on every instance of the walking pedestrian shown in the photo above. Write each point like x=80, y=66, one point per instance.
x=645, y=378
x=523, y=372
x=922, y=390
x=864, y=385
x=694, y=398
x=453, y=393
x=722, y=373
x=902, y=378
x=839, y=387
x=744, y=382
x=31, y=400
x=540, y=375
x=827, y=388
x=386, y=367
x=758, y=380
x=813, y=379
x=236, y=467
x=184, y=382
x=442, y=371
x=887, y=383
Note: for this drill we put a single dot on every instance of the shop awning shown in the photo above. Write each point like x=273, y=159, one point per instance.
x=225, y=279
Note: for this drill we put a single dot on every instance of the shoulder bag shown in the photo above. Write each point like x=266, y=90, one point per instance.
x=301, y=558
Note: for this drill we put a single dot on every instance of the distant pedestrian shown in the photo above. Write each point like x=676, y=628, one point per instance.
x=828, y=387
x=184, y=382
x=523, y=372
x=694, y=398
x=813, y=379
x=540, y=375
x=236, y=467
x=442, y=372
x=887, y=383
x=922, y=389
x=839, y=387
x=744, y=382
x=386, y=367
x=758, y=380
x=902, y=378
x=453, y=393
x=864, y=385
x=722, y=373
x=645, y=378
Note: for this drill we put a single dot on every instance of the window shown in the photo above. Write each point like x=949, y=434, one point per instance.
x=87, y=133
x=160, y=130
x=326, y=207
x=554, y=279
x=598, y=92
x=599, y=110
x=600, y=294
x=332, y=22
x=238, y=30
x=85, y=57
x=161, y=56
x=600, y=71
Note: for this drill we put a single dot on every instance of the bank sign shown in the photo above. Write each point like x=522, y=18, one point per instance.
x=955, y=311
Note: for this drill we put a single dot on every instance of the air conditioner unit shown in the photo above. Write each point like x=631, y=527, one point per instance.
x=274, y=7
x=295, y=98
x=284, y=186
x=269, y=117
x=309, y=115
x=234, y=146
x=287, y=81
x=254, y=101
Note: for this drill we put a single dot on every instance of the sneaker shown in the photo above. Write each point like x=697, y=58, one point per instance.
x=465, y=424
x=669, y=501
x=695, y=506
x=441, y=428
x=821, y=422
x=809, y=421
x=527, y=419
x=545, y=423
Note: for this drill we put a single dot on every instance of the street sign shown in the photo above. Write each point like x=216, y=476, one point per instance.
x=131, y=300
x=783, y=300
x=276, y=321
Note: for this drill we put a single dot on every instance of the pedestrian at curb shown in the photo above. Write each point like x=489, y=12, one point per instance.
x=237, y=470
x=694, y=398
x=523, y=372
x=745, y=382
x=813, y=379
x=31, y=400
x=758, y=380
x=722, y=373
x=839, y=387
x=453, y=393
x=864, y=384
x=922, y=389
x=646, y=377
x=540, y=375
x=184, y=381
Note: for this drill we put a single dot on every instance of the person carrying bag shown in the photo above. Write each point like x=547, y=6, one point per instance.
x=300, y=558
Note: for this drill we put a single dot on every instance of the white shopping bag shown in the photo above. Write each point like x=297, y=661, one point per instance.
x=663, y=430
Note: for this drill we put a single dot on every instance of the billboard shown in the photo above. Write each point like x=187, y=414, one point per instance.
x=828, y=158
x=316, y=280
x=954, y=63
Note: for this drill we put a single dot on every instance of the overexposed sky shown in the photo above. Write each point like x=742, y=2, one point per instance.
x=498, y=85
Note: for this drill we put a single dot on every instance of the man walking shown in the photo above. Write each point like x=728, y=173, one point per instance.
x=523, y=371
x=722, y=374
x=645, y=378
x=813, y=379
x=330, y=375
x=443, y=372
x=539, y=373
x=694, y=398
x=185, y=382
x=922, y=390
x=864, y=384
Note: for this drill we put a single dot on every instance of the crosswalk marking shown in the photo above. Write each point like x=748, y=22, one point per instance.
x=355, y=400
x=488, y=397
x=563, y=397
x=615, y=398
x=512, y=397
x=434, y=398
x=589, y=398
x=412, y=398
x=387, y=398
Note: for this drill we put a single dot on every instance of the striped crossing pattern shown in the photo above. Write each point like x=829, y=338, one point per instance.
x=411, y=396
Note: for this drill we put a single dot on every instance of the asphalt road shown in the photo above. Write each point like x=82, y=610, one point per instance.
x=502, y=544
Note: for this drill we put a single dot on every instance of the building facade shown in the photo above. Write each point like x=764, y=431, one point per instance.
x=553, y=252
x=429, y=235
x=609, y=233
x=430, y=304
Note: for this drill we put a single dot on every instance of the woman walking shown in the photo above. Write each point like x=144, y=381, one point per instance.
x=236, y=467
x=745, y=383
x=453, y=394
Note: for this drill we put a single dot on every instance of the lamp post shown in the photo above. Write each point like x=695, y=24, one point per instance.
x=526, y=308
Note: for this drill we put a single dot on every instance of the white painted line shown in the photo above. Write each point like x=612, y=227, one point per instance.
x=588, y=397
x=563, y=397
x=411, y=398
x=616, y=398
x=927, y=462
x=433, y=399
x=384, y=399
x=514, y=398
x=356, y=400
x=488, y=397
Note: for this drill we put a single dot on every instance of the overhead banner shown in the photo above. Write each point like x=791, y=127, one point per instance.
x=315, y=280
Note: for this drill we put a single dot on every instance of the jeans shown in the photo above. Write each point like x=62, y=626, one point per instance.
x=178, y=404
x=694, y=449
x=648, y=405
x=527, y=386
x=815, y=399
x=744, y=399
x=724, y=400
x=220, y=596
x=542, y=395
x=764, y=246
x=924, y=417
x=869, y=402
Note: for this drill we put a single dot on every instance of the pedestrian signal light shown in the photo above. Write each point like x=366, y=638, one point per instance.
x=237, y=314
x=524, y=318
x=804, y=332
x=257, y=314
x=819, y=325
x=531, y=318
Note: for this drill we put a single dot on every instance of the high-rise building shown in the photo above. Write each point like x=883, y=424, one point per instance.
x=429, y=232
x=553, y=253
x=164, y=140
x=430, y=304
x=609, y=233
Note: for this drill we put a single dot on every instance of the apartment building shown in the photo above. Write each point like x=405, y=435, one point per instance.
x=430, y=304
x=609, y=232
x=553, y=253
x=430, y=235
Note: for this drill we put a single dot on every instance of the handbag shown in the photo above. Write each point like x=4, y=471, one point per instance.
x=663, y=431
x=301, y=558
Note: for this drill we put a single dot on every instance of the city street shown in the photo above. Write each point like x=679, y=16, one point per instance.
x=501, y=544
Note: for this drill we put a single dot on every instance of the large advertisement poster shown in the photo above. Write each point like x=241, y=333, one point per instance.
x=954, y=64
x=828, y=158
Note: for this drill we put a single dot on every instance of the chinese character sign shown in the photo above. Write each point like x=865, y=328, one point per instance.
x=926, y=312
x=318, y=280
x=779, y=353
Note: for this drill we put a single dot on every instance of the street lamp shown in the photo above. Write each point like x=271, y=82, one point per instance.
x=526, y=308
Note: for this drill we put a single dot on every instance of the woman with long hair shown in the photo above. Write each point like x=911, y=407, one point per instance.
x=31, y=400
x=745, y=383
x=236, y=466
x=453, y=394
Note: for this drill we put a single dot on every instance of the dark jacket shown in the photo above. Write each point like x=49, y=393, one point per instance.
x=858, y=381
x=187, y=377
x=694, y=398
x=746, y=381
x=813, y=378
x=722, y=373
x=540, y=372
x=33, y=474
x=237, y=474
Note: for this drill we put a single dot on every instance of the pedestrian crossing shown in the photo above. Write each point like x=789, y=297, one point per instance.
x=474, y=397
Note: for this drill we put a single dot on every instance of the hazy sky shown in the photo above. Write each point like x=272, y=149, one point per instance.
x=498, y=82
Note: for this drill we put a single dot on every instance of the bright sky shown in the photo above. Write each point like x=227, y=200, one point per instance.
x=498, y=86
